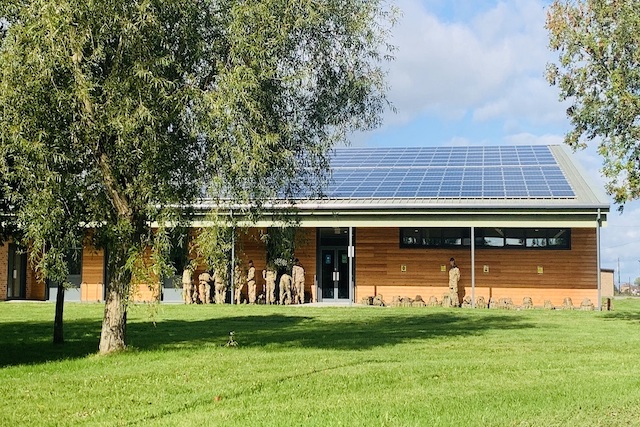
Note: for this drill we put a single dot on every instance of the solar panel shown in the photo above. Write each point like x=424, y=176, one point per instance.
x=448, y=172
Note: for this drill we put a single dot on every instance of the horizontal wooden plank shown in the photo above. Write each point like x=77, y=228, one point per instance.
x=379, y=259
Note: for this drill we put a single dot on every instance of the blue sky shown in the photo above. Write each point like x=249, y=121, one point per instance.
x=471, y=72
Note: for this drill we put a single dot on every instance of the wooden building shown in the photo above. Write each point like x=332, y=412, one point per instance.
x=520, y=221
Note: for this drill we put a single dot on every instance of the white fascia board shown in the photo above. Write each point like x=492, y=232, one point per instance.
x=525, y=219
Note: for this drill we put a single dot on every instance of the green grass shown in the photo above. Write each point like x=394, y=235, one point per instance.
x=323, y=367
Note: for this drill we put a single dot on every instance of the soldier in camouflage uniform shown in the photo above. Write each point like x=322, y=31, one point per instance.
x=251, y=283
x=239, y=280
x=285, y=289
x=220, y=285
x=297, y=275
x=269, y=276
x=187, y=285
x=204, y=287
x=454, y=278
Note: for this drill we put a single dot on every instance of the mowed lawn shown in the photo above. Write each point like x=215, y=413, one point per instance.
x=317, y=366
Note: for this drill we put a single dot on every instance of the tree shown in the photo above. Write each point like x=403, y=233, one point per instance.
x=598, y=72
x=115, y=114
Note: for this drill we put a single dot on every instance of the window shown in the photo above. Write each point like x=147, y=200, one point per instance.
x=434, y=237
x=74, y=264
x=489, y=237
x=515, y=238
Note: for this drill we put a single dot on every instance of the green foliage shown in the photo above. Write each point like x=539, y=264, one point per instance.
x=115, y=114
x=325, y=366
x=598, y=72
x=280, y=244
x=214, y=243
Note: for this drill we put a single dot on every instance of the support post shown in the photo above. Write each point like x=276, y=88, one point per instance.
x=473, y=267
x=598, y=258
x=351, y=253
x=233, y=261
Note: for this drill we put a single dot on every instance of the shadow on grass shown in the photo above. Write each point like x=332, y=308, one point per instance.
x=29, y=343
x=628, y=316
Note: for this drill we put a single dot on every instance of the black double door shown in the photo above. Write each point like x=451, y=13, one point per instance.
x=335, y=274
x=333, y=265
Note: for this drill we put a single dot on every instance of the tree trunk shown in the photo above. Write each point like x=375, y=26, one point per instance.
x=114, y=323
x=58, y=329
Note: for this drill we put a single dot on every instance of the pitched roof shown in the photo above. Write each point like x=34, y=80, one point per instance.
x=516, y=186
x=495, y=175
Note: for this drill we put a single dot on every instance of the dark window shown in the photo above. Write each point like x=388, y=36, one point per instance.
x=411, y=237
x=489, y=237
x=434, y=237
x=74, y=264
x=515, y=237
x=534, y=238
x=178, y=257
x=559, y=238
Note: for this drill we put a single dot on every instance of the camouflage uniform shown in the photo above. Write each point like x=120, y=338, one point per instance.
x=269, y=276
x=220, y=286
x=454, y=278
x=238, y=279
x=251, y=283
x=187, y=286
x=204, y=287
x=297, y=273
x=285, y=289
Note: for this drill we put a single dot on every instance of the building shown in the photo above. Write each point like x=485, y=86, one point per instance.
x=521, y=221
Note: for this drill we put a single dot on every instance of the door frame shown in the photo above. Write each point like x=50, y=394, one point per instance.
x=349, y=248
x=14, y=253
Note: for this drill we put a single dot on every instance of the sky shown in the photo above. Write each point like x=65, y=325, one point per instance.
x=471, y=72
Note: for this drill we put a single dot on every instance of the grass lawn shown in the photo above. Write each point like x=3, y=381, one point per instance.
x=360, y=366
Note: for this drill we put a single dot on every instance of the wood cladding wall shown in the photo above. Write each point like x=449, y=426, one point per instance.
x=252, y=247
x=511, y=272
x=35, y=285
x=92, y=286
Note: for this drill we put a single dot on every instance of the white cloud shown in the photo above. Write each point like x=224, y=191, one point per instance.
x=491, y=66
x=525, y=138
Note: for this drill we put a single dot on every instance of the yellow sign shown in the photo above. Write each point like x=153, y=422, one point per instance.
x=540, y=270
x=443, y=267
x=485, y=268
x=403, y=267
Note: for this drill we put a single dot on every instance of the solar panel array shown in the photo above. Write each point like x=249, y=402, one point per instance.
x=448, y=172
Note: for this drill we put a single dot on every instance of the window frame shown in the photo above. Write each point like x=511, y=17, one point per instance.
x=436, y=237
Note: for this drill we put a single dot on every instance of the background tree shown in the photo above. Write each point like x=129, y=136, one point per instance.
x=598, y=72
x=114, y=113
x=280, y=243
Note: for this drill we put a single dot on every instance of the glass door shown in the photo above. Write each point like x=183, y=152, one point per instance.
x=333, y=265
x=17, y=283
x=334, y=274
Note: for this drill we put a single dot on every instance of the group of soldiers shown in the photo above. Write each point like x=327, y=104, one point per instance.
x=291, y=287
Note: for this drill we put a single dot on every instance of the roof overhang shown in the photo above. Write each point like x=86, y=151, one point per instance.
x=372, y=214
